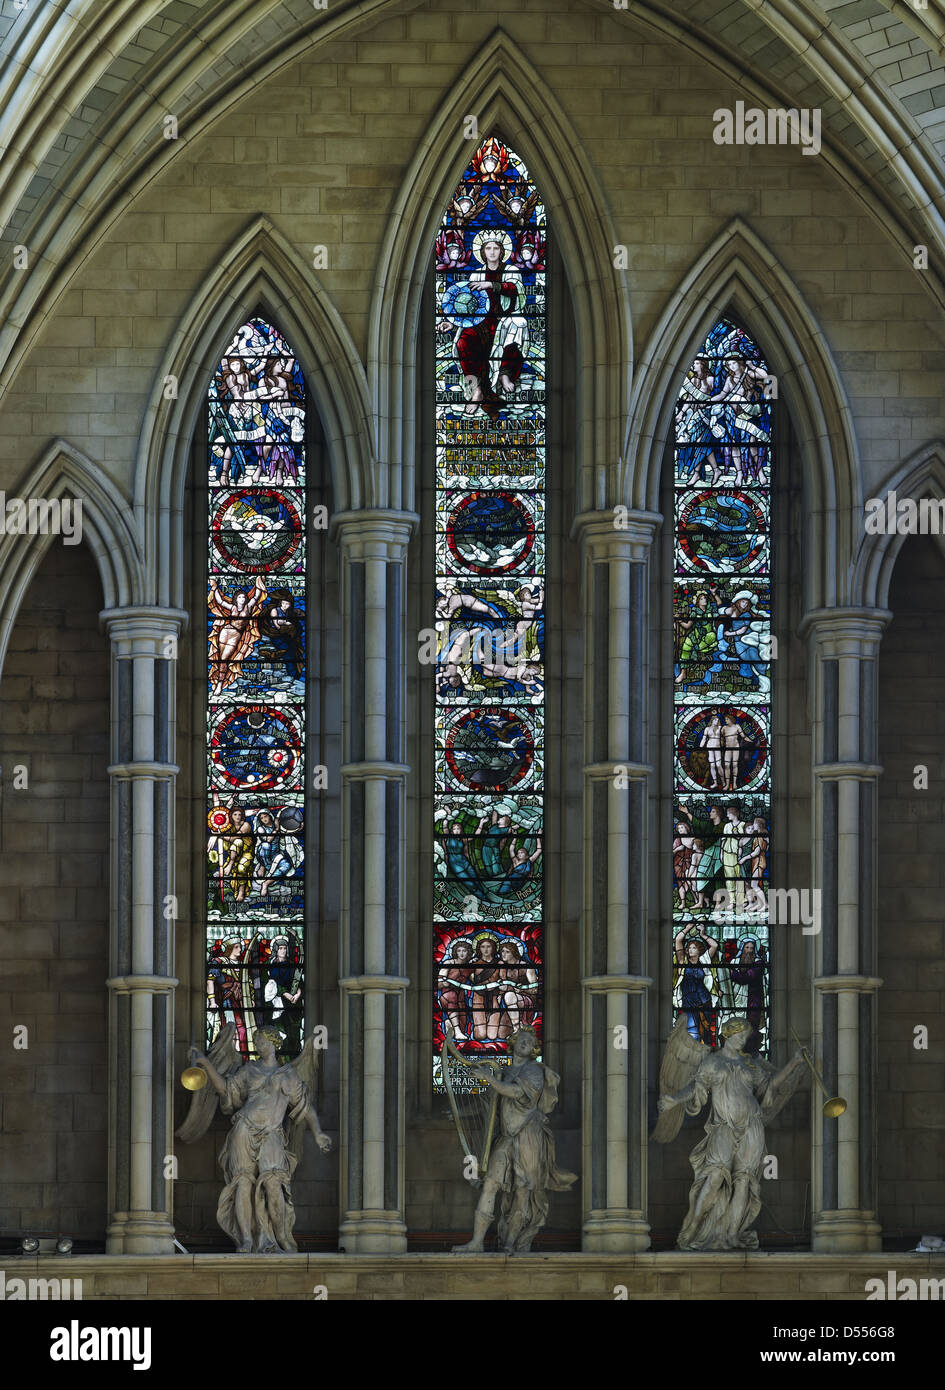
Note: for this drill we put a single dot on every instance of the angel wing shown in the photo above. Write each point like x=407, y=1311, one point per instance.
x=681, y=1061
x=203, y=1104
x=306, y=1066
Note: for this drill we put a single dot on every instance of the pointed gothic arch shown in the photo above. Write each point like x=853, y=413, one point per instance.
x=509, y=99
x=737, y=275
x=920, y=476
x=262, y=273
x=108, y=529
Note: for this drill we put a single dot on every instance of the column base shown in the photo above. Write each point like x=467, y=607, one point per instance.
x=139, y=1233
x=372, y=1233
x=846, y=1232
x=615, y=1231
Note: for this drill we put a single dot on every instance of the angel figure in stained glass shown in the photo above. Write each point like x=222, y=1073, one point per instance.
x=271, y=1107
x=745, y=1091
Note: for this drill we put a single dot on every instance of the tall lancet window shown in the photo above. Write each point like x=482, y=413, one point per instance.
x=722, y=688
x=256, y=690
x=490, y=562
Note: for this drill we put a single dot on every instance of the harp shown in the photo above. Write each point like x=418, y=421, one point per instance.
x=476, y=1126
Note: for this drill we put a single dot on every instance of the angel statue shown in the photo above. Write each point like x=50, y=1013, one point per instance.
x=271, y=1108
x=725, y=1197
x=522, y=1163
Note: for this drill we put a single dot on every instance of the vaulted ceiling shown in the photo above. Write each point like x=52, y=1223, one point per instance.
x=84, y=85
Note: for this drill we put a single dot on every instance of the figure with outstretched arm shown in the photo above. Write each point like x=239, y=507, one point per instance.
x=271, y=1107
x=725, y=1196
x=522, y=1164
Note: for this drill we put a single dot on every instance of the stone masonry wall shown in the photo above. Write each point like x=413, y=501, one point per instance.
x=911, y=1082
x=54, y=905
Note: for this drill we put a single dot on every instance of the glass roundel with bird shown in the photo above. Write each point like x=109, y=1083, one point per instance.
x=256, y=639
x=722, y=688
x=490, y=335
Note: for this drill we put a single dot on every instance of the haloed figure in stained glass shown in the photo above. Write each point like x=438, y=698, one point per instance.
x=492, y=351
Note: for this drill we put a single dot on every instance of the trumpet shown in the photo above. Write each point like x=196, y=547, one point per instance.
x=833, y=1106
x=193, y=1078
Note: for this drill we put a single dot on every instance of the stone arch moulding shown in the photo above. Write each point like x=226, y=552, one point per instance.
x=739, y=275
x=922, y=475
x=262, y=273
x=108, y=529
x=505, y=94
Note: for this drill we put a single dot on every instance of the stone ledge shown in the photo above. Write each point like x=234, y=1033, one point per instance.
x=669, y=1276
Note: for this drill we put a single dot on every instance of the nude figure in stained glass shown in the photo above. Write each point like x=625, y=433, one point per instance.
x=734, y=738
x=234, y=631
x=463, y=645
x=711, y=741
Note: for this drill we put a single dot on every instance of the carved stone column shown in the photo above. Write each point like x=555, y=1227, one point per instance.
x=844, y=646
x=373, y=550
x=141, y=927
x=616, y=791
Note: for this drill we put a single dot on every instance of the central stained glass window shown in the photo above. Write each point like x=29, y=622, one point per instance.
x=256, y=606
x=722, y=688
x=490, y=566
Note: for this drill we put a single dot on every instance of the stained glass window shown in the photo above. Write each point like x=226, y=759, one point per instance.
x=256, y=690
x=490, y=563
x=722, y=688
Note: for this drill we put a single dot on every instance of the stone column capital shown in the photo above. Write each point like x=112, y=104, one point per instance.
x=853, y=984
x=616, y=533
x=845, y=632
x=374, y=533
x=617, y=984
x=139, y=630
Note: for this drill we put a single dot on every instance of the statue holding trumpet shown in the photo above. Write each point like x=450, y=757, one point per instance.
x=745, y=1091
